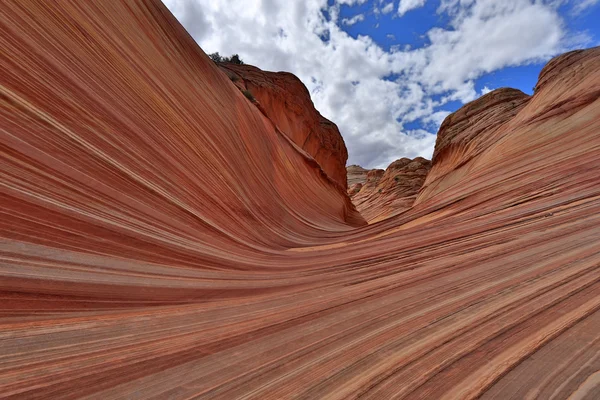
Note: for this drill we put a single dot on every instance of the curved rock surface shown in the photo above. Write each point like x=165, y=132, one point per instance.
x=390, y=192
x=160, y=238
x=469, y=131
x=284, y=99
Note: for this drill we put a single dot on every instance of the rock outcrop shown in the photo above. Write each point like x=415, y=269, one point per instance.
x=356, y=175
x=161, y=238
x=467, y=132
x=390, y=192
x=284, y=99
x=482, y=125
x=354, y=189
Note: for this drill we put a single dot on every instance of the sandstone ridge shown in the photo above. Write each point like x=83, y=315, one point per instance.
x=286, y=102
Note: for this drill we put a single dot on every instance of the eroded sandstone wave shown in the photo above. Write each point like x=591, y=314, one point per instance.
x=161, y=238
x=284, y=99
x=384, y=194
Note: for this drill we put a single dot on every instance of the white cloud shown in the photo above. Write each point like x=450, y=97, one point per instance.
x=407, y=5
x=351, y=2
x=436, y=118
x=580, y=6
x=372, y=94
x=388, y=8
x=353, y=20
x=516, y=32
x=485, y=90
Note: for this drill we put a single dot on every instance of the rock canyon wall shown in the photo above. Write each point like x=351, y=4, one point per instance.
x=284, y=99
x=163, y=237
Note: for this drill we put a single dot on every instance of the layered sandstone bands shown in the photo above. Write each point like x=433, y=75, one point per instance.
x=388, y=193
x=467, y=132
x=284, y=99
x=161, y=238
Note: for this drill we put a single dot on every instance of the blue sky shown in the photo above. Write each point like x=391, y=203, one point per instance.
x=391, y=29
x=388, y=72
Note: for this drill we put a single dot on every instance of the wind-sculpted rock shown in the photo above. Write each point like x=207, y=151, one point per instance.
x=391, y=192
x=354, y=189
x=483, y=125
x=470, y=130
x=284, y=99
x=162, y=238
x=356, y=174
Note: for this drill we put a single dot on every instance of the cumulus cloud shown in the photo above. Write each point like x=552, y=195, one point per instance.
x=485, y=90
x=407, y=5
x=353, y=20
x=388, y=8
x=488, y=35
x=373, y=95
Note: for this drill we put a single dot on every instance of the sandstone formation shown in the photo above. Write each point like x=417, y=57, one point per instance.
x=469, y=131
x=356, y=174
x=390, y=192
x=354, y=189
x=162, y=238
x=286, y=102
x=372, y=179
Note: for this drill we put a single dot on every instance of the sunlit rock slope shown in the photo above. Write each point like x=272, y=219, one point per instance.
x=161, y=238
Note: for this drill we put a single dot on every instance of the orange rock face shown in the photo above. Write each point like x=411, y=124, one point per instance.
x=392, y=192
x=284, y=99
x=469, y=131
x=354, y=189
x=162, y=238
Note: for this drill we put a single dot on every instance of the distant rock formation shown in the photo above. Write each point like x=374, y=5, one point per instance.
x=390, y=192
x=284, y=99
x=356, y=174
